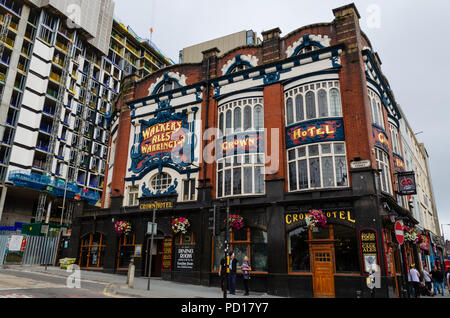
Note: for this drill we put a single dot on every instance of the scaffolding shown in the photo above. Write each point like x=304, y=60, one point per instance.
x=55, y=129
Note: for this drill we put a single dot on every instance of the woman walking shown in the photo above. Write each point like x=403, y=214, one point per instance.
x=246, y=274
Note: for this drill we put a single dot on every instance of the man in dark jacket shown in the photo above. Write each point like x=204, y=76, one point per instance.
x=232, y=275
x=438, y=281
x=223, y=272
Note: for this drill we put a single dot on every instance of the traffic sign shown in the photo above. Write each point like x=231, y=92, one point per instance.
x=399, y=233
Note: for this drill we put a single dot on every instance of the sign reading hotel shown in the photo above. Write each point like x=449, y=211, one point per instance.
x=240, y=144
x=315, y=131
x=157, y=205
x=399, y=165
x=344, y=216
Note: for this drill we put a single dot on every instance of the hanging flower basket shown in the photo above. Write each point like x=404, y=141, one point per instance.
x=236, y=221
x=180, y=225
x=122, y=227
x=316, y=219
x=411, y=235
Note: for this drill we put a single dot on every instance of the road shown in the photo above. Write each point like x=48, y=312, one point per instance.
x=16, y=284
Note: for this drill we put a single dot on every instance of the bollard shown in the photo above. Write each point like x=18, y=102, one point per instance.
x=130, y=276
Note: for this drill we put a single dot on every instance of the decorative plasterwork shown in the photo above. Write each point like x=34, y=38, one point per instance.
x=250, y=60
x=318, y=40
x=180, y=79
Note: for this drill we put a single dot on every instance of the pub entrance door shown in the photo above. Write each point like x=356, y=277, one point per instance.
x=322, y=255
x=156, y=258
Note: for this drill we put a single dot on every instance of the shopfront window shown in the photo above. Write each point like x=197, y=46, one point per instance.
x=250, y=242
x=298, y=250
x=92, y=251
x=127, y=246
x=346, y=249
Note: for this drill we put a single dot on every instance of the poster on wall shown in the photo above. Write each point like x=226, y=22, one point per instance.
x=185, y=258
x=369, y=250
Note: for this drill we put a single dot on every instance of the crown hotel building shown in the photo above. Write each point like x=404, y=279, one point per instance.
x=302, y=122
x=58, y=82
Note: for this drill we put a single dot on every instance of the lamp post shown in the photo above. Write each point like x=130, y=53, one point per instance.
x=151, y=251
x=227, y=248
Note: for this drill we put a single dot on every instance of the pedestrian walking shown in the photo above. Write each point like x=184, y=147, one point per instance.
x=223, y=272
x=438, y=281
x=414, y=279
x=246, y=274
x=427, y=279
x=232, y=275
x=448, y=279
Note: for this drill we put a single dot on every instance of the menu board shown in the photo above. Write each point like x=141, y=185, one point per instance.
x=185, y=258
x=167, y=253
x=369, y=249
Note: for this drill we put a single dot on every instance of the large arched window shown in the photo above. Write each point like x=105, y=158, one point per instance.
x=168, y=86
x=92, y=251
x=313, y=101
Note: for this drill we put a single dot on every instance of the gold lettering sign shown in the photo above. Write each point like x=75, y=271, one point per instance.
x=156, y=205
x=343, y=215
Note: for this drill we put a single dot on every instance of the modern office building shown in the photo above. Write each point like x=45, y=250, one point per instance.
x=61, y=68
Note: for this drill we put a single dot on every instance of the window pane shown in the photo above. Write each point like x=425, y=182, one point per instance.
x=339, y=149
x=228, y=120
x=259, y=250
x=291, y=155
x=346, y=249
x=219, y=247
x=247, y=118
x=326, y=149
x=221, y=117
x=303, y=174
x=313, y=150
x=299, y=108
x=327, y=172
x=374, y=112
x=258, y=117
x=323, y=103
x=290, y=111
x=314, y=171
x=341, y=171
x=237, y=181
x=237, y=119
x=310, y=105
x=293, y=176
x=335, y=101
x=228, y=182
x=298, y=251
x=302, y=152
x=248, y=177
x=192, y=189
x=259, y=180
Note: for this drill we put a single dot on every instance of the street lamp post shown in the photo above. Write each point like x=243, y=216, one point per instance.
x=151, y=251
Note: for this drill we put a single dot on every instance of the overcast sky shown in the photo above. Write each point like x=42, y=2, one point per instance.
x=411, y=37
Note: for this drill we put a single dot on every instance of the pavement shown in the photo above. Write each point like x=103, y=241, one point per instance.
x=116, y=285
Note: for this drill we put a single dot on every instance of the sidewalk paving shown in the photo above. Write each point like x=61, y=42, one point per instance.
x=117, y=284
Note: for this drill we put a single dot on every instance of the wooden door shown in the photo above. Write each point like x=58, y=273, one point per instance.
x=323, y=270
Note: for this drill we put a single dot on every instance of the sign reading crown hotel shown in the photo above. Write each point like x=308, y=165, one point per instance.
x=321, y=130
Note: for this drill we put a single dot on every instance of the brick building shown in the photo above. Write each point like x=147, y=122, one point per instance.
x=298, y=123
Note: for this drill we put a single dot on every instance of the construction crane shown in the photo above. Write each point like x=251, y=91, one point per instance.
x=55, y=128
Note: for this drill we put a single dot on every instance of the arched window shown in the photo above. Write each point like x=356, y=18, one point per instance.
x=335, y=103
x=323, y=103
x=239, y=68
x=290, y=111
x=247, y=118
x=228, y=120
x=237, y=120
x=161, y=181
x=168, y=86
x=92, y=251
x=310, y=105
x=299, y=108
x=259, y=118
x=221, y=118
